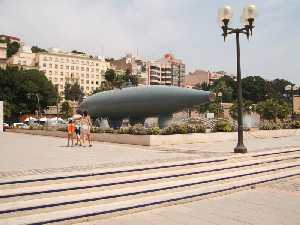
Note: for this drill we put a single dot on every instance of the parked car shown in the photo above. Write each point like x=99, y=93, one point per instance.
x=20, y=125
x=5, y=126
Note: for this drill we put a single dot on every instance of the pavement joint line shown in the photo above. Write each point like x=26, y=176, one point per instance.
x=193, y=162
x=147, y=179
x=11, y=174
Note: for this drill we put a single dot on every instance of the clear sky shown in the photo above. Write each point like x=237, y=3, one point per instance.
x=186, y=28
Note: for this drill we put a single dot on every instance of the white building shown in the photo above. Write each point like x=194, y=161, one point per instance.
x=63, y=67
x=166, y=71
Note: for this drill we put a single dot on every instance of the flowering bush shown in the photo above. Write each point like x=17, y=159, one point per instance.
x=223, y=126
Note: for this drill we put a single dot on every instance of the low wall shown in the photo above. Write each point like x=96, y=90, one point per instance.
x=174, y=139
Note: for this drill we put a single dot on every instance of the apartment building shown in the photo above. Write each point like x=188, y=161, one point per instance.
x=136, y=65
x=4, y=37
x=62, y=68
x=3, y=56
x=201, y=76
x=24, y=58
x=166, y=71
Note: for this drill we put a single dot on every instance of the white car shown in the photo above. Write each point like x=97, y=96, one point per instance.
x=20, y=125
x=5, y=126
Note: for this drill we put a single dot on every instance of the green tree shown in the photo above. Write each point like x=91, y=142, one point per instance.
x=16, y=85
x=12, y=48
x=36, y=49
x=227, y=86
x=256, y=89
x=278, y=89
x=248, y=107
x=272, y=109
x=77, y=52
x=211, y=107
x=66, y=110
x=73, y=92
x=7, y=109
x=202, y=86
x=110, y=75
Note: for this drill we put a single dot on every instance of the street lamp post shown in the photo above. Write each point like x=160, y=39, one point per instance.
x=247, y=19
x=291, y=88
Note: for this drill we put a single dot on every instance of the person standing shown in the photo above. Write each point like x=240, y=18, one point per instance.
x=71, y=130
x=86, y=128
x=78, y=132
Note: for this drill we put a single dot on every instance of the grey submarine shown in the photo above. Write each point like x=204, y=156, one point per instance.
x=138, y=103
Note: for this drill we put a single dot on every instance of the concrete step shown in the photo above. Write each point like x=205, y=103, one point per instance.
x=82, y=214
x=56, y=178
x=139, y=191
x=78, y=187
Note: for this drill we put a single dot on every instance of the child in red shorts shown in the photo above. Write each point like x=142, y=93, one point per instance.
x=71, y=130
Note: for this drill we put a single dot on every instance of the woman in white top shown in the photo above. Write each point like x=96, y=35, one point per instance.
x=86, y=127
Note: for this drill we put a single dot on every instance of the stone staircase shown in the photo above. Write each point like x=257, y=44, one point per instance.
x=74, y=197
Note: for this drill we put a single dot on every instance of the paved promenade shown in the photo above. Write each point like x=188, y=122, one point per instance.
x=23, y=152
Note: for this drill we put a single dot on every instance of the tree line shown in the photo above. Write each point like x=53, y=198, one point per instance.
x=267, y=98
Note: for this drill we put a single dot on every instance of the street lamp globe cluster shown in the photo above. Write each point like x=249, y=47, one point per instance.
x=249, y=14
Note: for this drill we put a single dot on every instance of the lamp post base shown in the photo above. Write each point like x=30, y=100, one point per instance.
x=240, y=149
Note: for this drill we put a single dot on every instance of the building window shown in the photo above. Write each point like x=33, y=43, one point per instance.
x=45, y=58
x=97, y=64
x=87, y=88
x=82, y=68
x=97, y=82
x=61, y=86
x=61, y=66
x=50, y=72
x=56, y=73
x=44, y=65
x=72, y=67
x=87, y=81
x=87, y=69
x=97, y=70
x=50, y=65
x=82, y=81
x=87, y=76
x=77, y=67
x=55, y=79
x=61, y=73
x=92, y=69
x=56, y=66
x=67, y=67
x=61, y=79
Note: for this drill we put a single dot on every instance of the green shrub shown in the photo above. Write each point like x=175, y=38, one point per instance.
x=101, y=130
x=137, y=129
x=153, y=131
x=183, y=129
x=295, y=124
x=224, y=126
x=123, y=130
x=270, y=125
